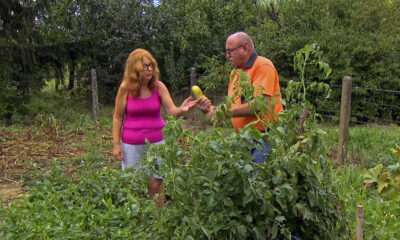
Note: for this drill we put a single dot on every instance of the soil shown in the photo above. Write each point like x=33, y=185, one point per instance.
x=24, y=151
x=351, y=159
x=10, y=192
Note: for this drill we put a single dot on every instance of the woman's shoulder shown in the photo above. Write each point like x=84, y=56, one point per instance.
x=161, y=86
x=124, y=87
x=159, y=83
x=123, y=90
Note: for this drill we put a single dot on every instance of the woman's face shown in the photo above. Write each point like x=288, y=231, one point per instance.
x=147, y=68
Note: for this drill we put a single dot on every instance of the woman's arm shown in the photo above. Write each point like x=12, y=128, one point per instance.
x=118, y=117
x=168, y=104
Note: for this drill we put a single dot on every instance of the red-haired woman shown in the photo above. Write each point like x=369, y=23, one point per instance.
x=137, y=114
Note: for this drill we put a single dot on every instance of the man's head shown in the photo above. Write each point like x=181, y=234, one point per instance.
x=239, y=48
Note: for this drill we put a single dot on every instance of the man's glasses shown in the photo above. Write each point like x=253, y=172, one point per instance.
x=230, y=51
x=147, y=66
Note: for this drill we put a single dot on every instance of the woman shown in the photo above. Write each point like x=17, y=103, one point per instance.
x=137, y=114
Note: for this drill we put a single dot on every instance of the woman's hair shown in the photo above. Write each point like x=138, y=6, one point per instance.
x=133, y=73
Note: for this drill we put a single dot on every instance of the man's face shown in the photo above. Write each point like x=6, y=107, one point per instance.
x=235, y=52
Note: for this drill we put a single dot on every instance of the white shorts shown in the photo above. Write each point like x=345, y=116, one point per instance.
x=133, y=156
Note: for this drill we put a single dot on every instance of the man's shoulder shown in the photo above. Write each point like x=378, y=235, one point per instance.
x=261, y=60
x=261, y=63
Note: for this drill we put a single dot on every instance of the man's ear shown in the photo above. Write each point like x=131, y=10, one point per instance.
x=247, y=48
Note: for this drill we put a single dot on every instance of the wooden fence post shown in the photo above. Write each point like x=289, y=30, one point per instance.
x=360, y=222
x=95, y=99
x=192, y=116
x=193, y=79
x=345, y=106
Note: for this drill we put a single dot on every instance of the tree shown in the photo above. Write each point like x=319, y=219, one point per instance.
x=20, y=72
x=190, y=31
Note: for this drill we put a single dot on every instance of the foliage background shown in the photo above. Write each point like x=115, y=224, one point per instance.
x=63, y=40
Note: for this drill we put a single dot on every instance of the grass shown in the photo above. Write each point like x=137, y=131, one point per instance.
x=367, y=145
x=381, y=216
x=50, y=85
x=64, y=147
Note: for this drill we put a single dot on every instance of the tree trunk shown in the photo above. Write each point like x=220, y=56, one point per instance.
x=59, y=74
x=57, y=83
x=71, y=83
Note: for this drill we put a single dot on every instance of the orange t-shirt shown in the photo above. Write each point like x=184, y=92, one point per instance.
x=262, y=73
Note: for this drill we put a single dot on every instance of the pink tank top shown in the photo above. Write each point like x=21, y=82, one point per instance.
x=143, y=120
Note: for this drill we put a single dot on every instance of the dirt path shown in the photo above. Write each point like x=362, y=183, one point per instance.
x=11, y=192
x=29, y=150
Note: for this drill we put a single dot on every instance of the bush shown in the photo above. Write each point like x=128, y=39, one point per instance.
x=219, y=193
x=11, y=102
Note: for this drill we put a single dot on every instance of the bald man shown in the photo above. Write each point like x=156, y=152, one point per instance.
x=263, y=76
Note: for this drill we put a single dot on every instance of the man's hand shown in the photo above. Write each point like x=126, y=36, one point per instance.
x=204, y=104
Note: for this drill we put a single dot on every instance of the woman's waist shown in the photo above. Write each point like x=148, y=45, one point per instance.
x=137, y=124
x=139, y=136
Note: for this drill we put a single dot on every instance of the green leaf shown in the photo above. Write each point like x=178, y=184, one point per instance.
x=372, y=175
x=241, y=230
x=384, y=182
x=211, y=202
x=395, y=195
x=249, y=219
x=247, y=198
x=281, y=130
x=274, y=230
x=280, y=219
x=395, y=170
x=396, y=151
x=205, y=231
x=26, y=235
x=248, y=168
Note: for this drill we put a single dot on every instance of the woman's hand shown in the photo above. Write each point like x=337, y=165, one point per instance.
x=188, y=104
x=118, y=153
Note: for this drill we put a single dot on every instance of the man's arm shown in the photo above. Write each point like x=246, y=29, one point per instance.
x=242, y=110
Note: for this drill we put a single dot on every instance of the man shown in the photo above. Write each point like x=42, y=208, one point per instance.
x=264, y=78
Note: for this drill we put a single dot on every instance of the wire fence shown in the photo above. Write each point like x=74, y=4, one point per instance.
x=372, y=106
x=368, y=105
